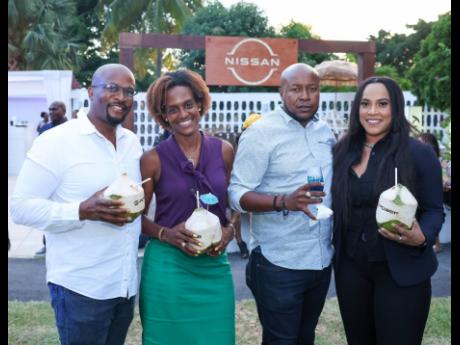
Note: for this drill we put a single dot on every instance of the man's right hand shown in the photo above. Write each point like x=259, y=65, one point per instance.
x=99, y=208
x=304, y=196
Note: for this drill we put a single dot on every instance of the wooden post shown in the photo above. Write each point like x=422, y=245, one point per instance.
x=366, y=63
x=127, y=59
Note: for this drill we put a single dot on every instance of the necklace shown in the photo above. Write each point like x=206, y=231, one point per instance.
x=370, y=146
x=191, y=160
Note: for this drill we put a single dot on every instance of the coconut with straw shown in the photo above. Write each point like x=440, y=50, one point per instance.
x=128, y=191
x=204, y=223
x=396, y=205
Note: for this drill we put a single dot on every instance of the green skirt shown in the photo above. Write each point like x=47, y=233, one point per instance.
x=185, y=300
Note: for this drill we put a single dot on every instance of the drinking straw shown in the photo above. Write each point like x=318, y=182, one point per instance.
x=197, y=199
x=141, y=183
x=396, y=176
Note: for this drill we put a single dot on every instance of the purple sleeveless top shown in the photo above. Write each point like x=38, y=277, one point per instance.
x=176, y=190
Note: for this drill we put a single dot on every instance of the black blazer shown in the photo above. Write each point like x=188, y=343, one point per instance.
x=410, y=265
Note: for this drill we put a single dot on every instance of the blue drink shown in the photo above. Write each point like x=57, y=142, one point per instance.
x=312, y=179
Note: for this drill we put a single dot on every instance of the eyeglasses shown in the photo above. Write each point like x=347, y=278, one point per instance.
x=115, y=88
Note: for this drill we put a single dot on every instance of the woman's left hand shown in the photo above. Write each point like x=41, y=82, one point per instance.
x=227, y=236
x=411, y=237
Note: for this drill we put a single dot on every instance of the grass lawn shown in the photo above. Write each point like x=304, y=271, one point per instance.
x=32, y=323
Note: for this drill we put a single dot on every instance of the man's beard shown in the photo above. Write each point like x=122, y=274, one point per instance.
x=114, y=121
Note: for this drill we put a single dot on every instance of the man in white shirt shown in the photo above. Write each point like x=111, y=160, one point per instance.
x=91, y=245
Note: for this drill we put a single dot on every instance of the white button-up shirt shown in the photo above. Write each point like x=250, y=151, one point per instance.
x=65, y=166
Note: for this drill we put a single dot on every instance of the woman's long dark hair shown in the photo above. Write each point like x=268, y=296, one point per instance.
x=348, y=150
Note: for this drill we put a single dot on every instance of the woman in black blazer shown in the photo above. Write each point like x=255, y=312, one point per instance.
x=383, y=279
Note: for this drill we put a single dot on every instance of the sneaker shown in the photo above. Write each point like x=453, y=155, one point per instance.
x=41, y=252
x=243, y=250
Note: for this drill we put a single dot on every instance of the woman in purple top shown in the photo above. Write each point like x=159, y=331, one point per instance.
x=186, y=295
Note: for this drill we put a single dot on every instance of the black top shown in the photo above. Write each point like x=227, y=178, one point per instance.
x=408, y=264
x=361, y=237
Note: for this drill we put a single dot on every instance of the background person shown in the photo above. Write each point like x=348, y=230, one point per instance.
x=92, y=248
x=186, y=295
x=383, y=279
x=57, y=112
x=44, y=120
x=289, y=267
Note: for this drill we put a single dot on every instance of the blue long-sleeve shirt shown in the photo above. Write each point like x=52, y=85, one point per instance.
x=272, y=158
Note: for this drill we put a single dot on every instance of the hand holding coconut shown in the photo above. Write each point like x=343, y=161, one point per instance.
x=213, y=237
x=396, y=215
x=97, y=207
x=105, y=205
x=400, y=233
x=186, y=240
x=227, y=236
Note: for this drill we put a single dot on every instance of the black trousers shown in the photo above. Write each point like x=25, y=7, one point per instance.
x=374, y=309
x=289, y=302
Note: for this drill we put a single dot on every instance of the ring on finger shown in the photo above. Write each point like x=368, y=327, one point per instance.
x=400, y=238
x=183, y=244
x=308, y=194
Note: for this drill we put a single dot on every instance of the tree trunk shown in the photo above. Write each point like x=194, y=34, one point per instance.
x=158, y=63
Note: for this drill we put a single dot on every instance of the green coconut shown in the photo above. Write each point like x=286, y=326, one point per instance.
x=128, y=191
x=396, y=205
x=207, y=225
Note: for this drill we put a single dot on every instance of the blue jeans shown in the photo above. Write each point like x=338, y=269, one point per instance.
x=289, y=302
x=86, y=321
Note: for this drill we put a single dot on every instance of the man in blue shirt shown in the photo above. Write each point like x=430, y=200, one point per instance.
x=289, y=268
x=57, y=114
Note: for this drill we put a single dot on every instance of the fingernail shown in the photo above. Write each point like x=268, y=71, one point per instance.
x=195, y=236
x=200, y=244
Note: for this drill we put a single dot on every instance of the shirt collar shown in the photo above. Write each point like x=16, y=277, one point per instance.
x=382, y=142
x=87, y=127
x=287, y=118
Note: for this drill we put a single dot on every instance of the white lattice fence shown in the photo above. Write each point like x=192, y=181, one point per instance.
x=229, y=110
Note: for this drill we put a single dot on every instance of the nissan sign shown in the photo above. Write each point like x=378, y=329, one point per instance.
x=248, y=61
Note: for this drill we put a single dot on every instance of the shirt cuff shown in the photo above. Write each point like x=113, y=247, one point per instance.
x=66, y=216
x=235, y=197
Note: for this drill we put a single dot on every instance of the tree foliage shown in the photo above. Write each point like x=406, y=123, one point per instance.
x=241, y=19
x=302, y=31
x=392, y=72
x=43, y=34
x=165, y=16
x=431, y=72
x=398, y=50
x=160, y=16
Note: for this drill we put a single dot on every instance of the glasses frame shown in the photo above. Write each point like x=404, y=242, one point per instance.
x=126, y=90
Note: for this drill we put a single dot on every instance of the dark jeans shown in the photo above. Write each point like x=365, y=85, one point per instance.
x=86, y=321
x=374, y=309
x=289, y=302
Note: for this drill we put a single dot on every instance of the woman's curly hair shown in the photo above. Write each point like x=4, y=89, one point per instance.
x=157, y=93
